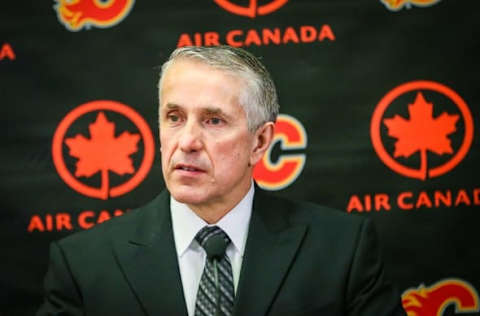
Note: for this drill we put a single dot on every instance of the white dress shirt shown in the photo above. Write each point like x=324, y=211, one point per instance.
x=191, y=256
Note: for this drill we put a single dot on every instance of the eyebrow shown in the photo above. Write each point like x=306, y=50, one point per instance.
x=172, y=106
x=217, y=111
x=214, y=110
x=209, y=110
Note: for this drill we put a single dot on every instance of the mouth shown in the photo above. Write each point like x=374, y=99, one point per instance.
x=188, y=168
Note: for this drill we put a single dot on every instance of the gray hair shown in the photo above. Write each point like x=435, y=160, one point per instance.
x=259, y=100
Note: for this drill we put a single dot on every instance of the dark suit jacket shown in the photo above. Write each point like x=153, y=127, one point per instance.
x=300, y=259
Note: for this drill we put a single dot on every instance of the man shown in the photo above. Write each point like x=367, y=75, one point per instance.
x=217, y=111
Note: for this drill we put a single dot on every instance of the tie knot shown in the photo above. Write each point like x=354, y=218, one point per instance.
x=209, y=231
x=214, y=240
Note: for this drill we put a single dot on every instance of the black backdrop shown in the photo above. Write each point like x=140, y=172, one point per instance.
x=335, y=63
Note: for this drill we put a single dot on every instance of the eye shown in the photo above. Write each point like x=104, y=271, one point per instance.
x=214, y=121
x=173, y=117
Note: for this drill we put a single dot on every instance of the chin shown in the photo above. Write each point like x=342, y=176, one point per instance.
x=186, y=196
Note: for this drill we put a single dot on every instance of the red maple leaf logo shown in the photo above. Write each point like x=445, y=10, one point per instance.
x=103, y=151
x=253, y=7
x=421, y=132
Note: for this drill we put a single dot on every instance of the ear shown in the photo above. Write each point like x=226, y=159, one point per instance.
x=263, y=137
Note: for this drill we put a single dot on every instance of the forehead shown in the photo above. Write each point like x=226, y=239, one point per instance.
x=189, y=82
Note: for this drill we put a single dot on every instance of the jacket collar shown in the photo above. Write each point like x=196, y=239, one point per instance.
x=273, y=240
x=148, y=259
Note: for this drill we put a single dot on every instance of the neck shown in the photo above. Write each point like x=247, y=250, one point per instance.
x=213, y=211
x=209, y=215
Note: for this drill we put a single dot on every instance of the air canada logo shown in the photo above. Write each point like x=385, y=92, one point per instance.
x=395, y=5
x=434, y=300
x=253, y=9
x=96, y=155
x=83, y=14
x=317, y=34
x=276, y=174
x=421, y=129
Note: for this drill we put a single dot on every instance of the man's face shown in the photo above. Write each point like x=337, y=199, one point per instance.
x=206, y=146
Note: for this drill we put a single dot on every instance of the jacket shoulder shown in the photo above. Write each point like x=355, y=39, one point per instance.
x=308, y=213
x=120, y=226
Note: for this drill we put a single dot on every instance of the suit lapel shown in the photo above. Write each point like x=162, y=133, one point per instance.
x=149, y=260
x=270, y=250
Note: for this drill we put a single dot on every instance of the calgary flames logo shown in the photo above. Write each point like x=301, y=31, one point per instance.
x=253, y=9
x=79, y=14
x=104, y=152
x=432, y=301
x=276, y=176
x=396, y=5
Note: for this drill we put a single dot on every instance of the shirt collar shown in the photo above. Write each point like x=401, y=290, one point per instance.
x=186, y=224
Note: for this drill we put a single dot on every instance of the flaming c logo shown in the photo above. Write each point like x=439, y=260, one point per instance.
x=419, y=132
x=79, y=14
x=432, y=301
x=395, y=5
x=103, y=150
x=276, y=176
x=253, y=9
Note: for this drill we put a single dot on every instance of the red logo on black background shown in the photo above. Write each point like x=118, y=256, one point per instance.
x=435, y=299
x=6, y=52
x=83, y=14
x=102, y=152
x=421, y=129
x=279, y=174
x=396, y=5
x=253, y=8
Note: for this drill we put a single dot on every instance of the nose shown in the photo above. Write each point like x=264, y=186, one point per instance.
x=191, y=138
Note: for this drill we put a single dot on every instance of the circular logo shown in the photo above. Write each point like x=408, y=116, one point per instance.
x=253, y=9
x=101, y=151
x=419, y=131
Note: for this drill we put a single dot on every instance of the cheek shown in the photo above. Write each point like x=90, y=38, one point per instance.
x=166, y=138
x=165, y=149
x=232, y=156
